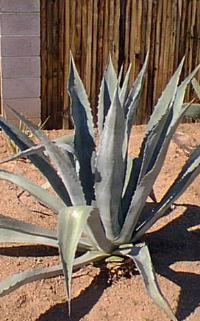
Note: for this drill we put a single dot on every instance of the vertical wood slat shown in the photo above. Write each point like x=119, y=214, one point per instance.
x=127, y=29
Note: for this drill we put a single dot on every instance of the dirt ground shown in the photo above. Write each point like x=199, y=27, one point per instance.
x=174, y=244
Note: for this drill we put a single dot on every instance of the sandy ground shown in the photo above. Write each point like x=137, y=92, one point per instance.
x=174, y=244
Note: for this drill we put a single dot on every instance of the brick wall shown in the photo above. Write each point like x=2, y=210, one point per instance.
x=20, y=56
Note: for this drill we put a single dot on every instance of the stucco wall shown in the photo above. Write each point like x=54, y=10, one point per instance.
x=20, y=56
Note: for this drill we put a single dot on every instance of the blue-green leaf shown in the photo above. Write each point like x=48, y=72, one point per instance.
x=110, y=169
x=62, y=161
x=19, y=279
x=15, y=231
x=42, y=163
x=124, y=90
x=159, y=121
x=84, y=137
x=51, y=201
x=71, y=224
x=184, y=179
x=140, y=255
x=148, y=177
x=107, y=90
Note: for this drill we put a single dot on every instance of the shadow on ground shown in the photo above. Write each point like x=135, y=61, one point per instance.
x=80, y=305
x=174, y=243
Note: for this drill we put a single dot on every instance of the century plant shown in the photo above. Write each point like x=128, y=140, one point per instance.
x=101, y=192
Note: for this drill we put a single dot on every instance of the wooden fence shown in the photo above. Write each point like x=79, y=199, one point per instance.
x=127, y=29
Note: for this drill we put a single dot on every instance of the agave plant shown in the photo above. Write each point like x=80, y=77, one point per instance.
x=101, y=192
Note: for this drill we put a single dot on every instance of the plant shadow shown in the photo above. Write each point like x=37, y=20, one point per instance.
x=28, y=250
x=80, y=305
x=179, y=241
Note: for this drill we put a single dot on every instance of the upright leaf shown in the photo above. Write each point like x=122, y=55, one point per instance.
x=110, y=168
x=107, y=90
x=156, y=161
x=84, y=137
x=124, y=89
x=159, y=120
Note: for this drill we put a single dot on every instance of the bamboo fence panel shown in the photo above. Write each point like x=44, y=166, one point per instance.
x=127, y=29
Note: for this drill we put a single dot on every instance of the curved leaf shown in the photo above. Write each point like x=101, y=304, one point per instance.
x=42, y=163
x=12, y=230
x=19, y=279
x=51, y=201
x=62, y=162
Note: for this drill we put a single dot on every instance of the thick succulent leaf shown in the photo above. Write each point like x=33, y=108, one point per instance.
x=66, y=170
x=129, y=185
x=42, y=163
x=124, y=89
x=18, y=137
x=71, y=224
x=165, y=100
x=84, y=137
x=159, y=121
x=51, y=201
x=174, y=118
x=95, y=233
x=184, y=179
x=62, y=162
x=196, y=87
x=147, y=179
x=133, y=99
x=107, y=90
x=140, y=255
x=129, y=166
x=143, y=190
x=110, y=168
x=19, y=279
x=12, y=230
